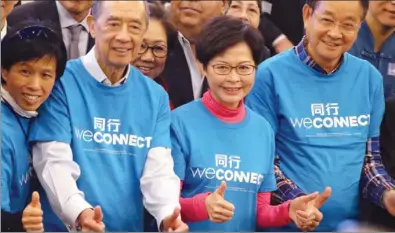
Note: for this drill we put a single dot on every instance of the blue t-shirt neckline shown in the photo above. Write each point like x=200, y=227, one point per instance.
x=102, y=87
x=320, y=76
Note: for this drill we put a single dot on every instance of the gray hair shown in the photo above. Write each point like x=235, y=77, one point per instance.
x=96, y=7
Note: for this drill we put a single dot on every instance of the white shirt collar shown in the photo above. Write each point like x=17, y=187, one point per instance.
x=6, y=97
x=183, y=39
x=66, y=20
x=4, y=30
x=92, y=66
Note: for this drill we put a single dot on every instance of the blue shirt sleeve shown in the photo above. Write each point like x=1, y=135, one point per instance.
x=6, y=172
x=377, y=103
x=262, y=98
x=177, y=150
x=161, y=136
x=53, y=121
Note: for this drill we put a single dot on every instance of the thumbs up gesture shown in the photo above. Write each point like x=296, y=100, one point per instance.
x=92, y=220
x=219, y=210
x=309, y=217
x=32, y=216
x=173, y=223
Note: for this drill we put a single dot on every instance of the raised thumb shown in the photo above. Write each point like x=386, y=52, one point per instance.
x=221, y=189
x=174, y=215
x=98, y=214
x=323, y=197
x=308, y=198
x=35, y=200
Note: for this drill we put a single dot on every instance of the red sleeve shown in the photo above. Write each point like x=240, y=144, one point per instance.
x=194, y=209
x=271, y=216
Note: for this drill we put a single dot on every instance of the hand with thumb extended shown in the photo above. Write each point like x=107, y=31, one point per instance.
x=219, y=210
x=173, y=223
x=310, y=218
x=32, y=216
x=92, y=220
x=389, y=201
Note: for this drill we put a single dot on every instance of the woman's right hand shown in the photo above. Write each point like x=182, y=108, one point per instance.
x=32, y=217
x=219, y=210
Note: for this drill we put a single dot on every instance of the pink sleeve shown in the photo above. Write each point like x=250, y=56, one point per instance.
x=271, y=216
x=194, y=209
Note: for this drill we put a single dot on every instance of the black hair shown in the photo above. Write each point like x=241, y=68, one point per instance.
x=257, y=1
x=158, y=12
x=32, y=40
x=364, y=4
x=223, y=32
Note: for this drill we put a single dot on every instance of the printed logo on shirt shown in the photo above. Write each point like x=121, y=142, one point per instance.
x=107, y=131
x=326, y=115
x=26, y=177
x=391, y=69
x=227, y=168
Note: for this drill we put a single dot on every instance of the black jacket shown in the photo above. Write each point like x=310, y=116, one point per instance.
x=40, y=11
x=370, y=212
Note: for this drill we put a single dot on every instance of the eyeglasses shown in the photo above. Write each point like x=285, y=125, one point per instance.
x=329, y=24
x=224, y=69
x=158, y=51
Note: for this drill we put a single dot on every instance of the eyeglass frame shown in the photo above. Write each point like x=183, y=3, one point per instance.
x=234, y=67
x=152, y=50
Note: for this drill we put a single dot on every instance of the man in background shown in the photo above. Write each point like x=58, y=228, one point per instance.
x=69, y=18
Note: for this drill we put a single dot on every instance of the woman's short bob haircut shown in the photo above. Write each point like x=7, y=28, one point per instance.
x=223, y=32
x=32, y=40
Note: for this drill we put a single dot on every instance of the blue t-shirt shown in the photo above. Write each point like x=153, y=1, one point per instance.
x=207, y=151
x=110, y=131
x=16, y=166
x=383, y=60
x=322, y=123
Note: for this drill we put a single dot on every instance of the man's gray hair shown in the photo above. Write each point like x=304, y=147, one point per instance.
x=96, y=7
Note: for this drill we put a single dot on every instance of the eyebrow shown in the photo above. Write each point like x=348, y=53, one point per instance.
x=326, y=12
x=155, y=41
x=130, y=20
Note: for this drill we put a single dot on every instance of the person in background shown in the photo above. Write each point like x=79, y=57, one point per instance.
x=226, y=183
x=327, y=116
x=371, y=213
x=103, y=136
x=158, y=41
x=376, y=42
x=287, y=16
x=6, y=8
x=69, y=19
x=33, y=57
x=250, y=11
x=183, y=73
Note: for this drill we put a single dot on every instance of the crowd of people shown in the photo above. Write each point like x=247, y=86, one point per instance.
x=197, y=115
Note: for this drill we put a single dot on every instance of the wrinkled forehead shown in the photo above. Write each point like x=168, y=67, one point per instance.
x=341, y=10
x=128, y=11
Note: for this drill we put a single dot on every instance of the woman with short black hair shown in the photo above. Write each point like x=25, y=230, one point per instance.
x=33, y=57
x=220, y=146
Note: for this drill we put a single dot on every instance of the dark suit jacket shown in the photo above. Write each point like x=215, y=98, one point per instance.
x=370, y=212
x=178, y=77
x=40, y=11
